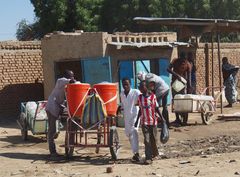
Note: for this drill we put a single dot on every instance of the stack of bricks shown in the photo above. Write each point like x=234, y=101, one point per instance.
x=21, y=74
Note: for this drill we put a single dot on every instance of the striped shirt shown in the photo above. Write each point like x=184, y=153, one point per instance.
x=148, y=105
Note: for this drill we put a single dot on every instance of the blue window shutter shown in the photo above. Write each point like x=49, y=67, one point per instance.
x=163, y=65
x=96, y=70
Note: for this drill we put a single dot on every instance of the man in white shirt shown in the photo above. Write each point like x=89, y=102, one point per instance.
x=129, y=99
x=54, y=109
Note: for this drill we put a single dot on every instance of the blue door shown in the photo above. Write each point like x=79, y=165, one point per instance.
x=126, y=69
x=144, y=66
x=163, y=65
x=96, y=70
x=130, y=68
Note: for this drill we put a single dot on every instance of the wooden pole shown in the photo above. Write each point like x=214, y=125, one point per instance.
x=220, y=71
x=212, y=63
x=207, y=73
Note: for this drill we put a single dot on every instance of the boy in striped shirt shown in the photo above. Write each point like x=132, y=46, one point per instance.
x=148, y=105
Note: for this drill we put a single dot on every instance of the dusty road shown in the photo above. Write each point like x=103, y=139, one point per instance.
x=194, y=150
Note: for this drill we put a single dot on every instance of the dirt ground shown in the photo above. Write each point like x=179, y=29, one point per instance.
x=193, y=150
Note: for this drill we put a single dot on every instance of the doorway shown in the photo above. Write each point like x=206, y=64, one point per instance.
x=75, y=66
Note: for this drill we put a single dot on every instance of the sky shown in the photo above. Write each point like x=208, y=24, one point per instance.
x=11, y=13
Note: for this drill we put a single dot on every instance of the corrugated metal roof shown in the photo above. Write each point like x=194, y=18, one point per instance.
x=193, y=26
x=187, y=21
x=154, y=44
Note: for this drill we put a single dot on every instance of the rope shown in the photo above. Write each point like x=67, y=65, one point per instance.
x=78, y=104
x=110, y=100
x=81, y=103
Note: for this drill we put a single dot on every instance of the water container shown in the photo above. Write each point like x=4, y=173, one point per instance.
x=179, y=85
x=108, y=93
x=76, y=95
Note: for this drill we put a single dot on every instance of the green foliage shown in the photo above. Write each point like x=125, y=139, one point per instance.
x=26, y=32
x=117, y=15
x=51, y=14
x=23, y=30
x=88, y=14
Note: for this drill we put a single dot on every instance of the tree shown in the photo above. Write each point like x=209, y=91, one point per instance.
x=117, y=15
x=88, y=14
x=26, y=32
x=67, y=15
x=51, y=14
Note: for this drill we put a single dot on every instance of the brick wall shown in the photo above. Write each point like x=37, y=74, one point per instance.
x=21, y=74
x=230, y=50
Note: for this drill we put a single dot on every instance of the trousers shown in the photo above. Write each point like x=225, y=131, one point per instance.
x=51, y=132
x=163, y=101
x=150, y=141
x=132, y=133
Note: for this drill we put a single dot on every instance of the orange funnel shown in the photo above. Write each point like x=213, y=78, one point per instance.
x=108, y=93
x=76, y=95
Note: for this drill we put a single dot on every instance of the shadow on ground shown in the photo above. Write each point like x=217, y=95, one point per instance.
x=17, y=141
x=24, y=156
x=76, y=160
x=229, y=118
x=99, y=160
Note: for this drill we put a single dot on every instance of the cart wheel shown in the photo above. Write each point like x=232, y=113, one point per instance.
x=206, y=116
x=69, y=140
x=183, y=118
x=114, y=143
x=24, y=130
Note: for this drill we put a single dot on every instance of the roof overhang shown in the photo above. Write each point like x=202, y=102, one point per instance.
x=193, y=26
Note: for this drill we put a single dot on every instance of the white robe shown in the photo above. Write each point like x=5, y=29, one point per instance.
x=130, y=112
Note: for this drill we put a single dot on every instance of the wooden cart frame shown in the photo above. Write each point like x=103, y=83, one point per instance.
x=77, y=136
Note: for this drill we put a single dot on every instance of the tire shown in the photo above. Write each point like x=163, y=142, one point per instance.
x=206, y=116
x=24, y=129
x=69, y=140
x=114, y=143
x=183, y=118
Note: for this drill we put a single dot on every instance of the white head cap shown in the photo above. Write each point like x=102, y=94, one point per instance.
x=141, y=75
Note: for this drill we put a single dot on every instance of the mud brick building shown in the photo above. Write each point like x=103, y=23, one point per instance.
x=99, y=56
x=21, y=74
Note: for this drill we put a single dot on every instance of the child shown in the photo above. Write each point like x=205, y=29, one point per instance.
x=148, y=105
